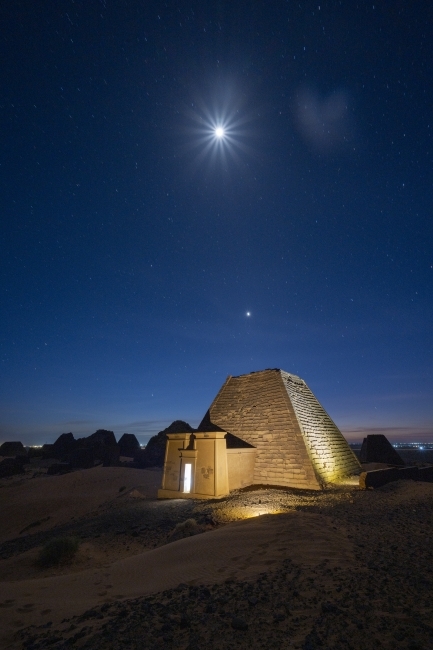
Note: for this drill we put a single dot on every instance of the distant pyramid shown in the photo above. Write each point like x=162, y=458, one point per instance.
x=376, y=448
x=298, y=445
x=128, y=445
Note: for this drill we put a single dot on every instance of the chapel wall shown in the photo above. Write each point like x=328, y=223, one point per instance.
x=240, y=465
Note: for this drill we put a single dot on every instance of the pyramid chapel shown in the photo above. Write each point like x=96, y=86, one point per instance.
x=263, y=428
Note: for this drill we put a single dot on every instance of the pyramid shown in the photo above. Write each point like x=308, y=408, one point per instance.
x=376, y=448
x=298, y=445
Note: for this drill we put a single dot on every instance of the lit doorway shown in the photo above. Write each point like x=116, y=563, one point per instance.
x=187, y=478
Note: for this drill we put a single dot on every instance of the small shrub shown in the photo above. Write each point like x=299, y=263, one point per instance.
x=58, y=551
x=185, y=529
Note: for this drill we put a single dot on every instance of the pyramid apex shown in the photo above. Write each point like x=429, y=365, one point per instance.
x=289, y=375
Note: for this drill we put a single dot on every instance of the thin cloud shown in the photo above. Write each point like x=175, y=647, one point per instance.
x=78, y=423
x=407, y=433
x=325, y=121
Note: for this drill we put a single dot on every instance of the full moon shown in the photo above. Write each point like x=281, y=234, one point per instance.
x=219, y=132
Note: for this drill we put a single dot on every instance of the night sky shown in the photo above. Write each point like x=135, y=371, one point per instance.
x=144, y=259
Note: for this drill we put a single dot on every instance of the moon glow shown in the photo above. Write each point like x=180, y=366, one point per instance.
x=218, y=131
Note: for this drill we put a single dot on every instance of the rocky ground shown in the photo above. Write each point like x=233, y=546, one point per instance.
x=382, y=600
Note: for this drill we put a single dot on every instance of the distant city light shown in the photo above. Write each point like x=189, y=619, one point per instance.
x=413, y=445
x=420, y=446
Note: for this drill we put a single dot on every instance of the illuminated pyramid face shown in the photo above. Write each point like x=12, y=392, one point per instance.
x=298, y=445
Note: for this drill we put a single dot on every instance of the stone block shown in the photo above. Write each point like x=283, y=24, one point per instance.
x=408, y=473
x=425, y=474
x=378, y=477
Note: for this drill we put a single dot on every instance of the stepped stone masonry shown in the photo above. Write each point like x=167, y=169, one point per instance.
x=284, y=435
x=330, y=454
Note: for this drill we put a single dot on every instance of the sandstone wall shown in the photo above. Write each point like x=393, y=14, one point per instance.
x=327, y=447
x=256, y=408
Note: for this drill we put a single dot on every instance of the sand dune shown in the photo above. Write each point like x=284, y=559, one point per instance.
x=341, y=542
x=55, y=500
x=239, y=550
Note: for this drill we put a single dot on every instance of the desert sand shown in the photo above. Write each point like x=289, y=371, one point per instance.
x=272, y=568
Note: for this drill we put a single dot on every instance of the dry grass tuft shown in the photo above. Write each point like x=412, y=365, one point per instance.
x=186, y=528
x=57, y=551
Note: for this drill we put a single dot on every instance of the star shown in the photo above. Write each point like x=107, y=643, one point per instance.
x=219, y=132
x=248, y=314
